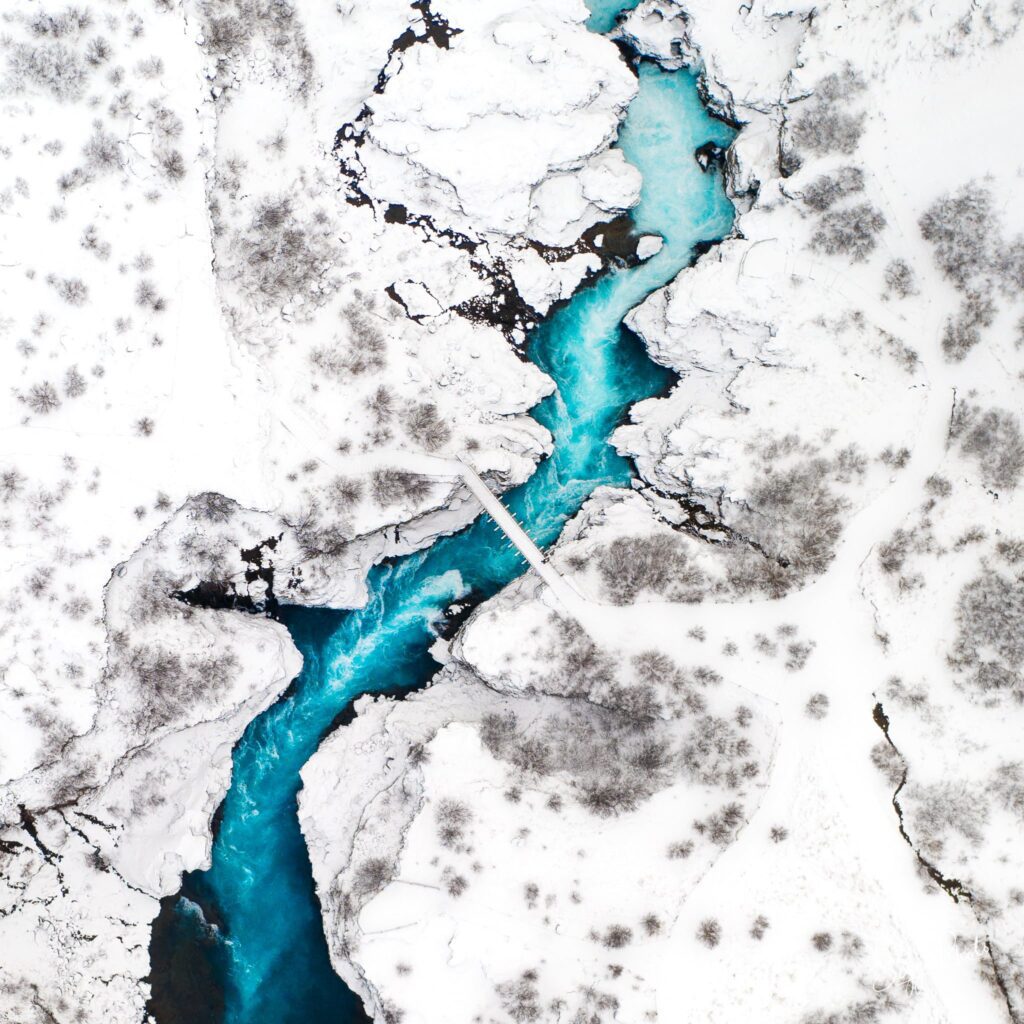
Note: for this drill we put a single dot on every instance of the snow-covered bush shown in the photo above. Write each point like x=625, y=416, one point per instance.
x=630, y=565
x=900, y=278
x=392, y=486
x=961, y=227
x=994, y=440
x=962, y=332
x=828, y=189
x=849, y=231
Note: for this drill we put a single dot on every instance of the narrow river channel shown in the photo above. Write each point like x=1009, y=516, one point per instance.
x=256, y=953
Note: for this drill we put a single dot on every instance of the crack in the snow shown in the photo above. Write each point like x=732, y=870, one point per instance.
x=953, y=887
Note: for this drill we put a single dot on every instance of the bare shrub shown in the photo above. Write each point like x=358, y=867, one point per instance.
x=714, y=753
x=102, y=152
x=880, y=998
x=709, y=932
x=721, y=826
x=990, y=634
x=1008, y=787
x=900, y=278
x=281, y=255
x=392, y=486
x=371, y=876
x=760, y=927
x=213, y=507
x=817, y=706
x=343, y=492
x=391, y=1012
x=1009, y=266
x=97, y=51
x=652, y=924
x=628, y=566
x=452, y=818
x=499, y=732
x=797, y=654
x=795, y=517
x=172, y=163
x=850, y=231
x=423, y=424
x=363, y=348
x=70, y=22
x=42, y=398
x=610, y=767
x=680, y=850
x=962, y=332
x=822, y=941
x=146, y=296
x=454, y=883
x=169, y=686
x=50, y=66
x=828, y=189
x=73, y=290
x=994, y=440
x=92, y=242
x=74, y=383
x=822, y=128
x=942, y=808
x=616, y=936
x=381, y=404
x=840, y=85
x=889, y=762
x=12, y=482
x=960, y=227
x=520, y=998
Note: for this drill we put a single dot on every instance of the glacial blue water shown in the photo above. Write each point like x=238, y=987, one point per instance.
x=267, y=960
x=604, y=13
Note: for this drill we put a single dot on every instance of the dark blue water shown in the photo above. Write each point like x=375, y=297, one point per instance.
x=269, y=954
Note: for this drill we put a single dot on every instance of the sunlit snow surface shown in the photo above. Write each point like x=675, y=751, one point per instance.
x=270, y=947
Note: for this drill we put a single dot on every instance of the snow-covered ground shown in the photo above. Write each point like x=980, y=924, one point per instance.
x=263, y=267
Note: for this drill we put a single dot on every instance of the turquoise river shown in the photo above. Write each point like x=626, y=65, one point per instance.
x=256, y=953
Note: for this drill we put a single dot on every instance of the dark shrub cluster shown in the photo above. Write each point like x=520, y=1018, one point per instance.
x=795, y=517
x=849, y=231
x=888, y=761
x=520, y=998
x=371, y=876
x=994, y=440
x=828, y=189
x=715, y=754
x=51, y=66
x=424, y=425
x=452, y=818
x=280, y=255
x=231, y=28
x=393, y=486
x=989, y=645
x=168, y=685
x=721, y=827
x=961, y=227
x=709, y=932
x=900, y=278
x=823, y=128
x=361, y=349
x=660, y=565
x=962, y=332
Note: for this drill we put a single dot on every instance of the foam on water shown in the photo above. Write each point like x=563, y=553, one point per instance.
x=269, y=954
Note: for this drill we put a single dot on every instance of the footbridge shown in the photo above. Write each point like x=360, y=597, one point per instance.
x=516, y=533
